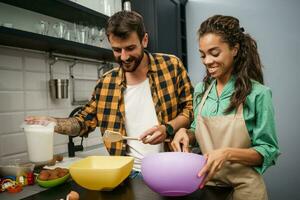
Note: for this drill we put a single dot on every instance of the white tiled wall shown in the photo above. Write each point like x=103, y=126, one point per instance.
x=24, y=91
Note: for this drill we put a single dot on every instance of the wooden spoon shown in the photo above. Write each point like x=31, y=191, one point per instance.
x=112, y=136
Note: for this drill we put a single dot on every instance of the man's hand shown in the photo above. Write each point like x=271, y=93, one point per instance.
x=154, y=135
x=66, y=126
x=41, y=120
x=180, y=138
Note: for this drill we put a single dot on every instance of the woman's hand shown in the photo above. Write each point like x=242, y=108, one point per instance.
x=180, y=138
x=214, y=162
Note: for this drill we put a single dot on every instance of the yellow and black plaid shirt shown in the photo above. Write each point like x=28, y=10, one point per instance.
x=171, y=92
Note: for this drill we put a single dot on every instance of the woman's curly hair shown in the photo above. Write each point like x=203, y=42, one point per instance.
x=247, y=64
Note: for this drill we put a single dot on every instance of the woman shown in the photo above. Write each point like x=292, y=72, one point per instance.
x=234, y=116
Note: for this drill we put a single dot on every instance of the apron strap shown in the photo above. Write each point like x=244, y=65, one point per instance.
x=205, y=96
x=239, y=111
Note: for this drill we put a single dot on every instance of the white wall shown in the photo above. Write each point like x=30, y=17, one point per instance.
x=275, y=26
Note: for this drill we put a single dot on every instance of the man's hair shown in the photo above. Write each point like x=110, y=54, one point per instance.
x=123, y=23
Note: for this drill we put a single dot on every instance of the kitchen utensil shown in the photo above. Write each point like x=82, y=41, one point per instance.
x=102, y=34
x=101, y=172
x=39, y=141
x=127, y=5
x=172, y=173
x=82, y=35
x=93, y=35
x=67, y=35
x=59, y=88
x=59, y=29
x=54, y=182
x=112, y=136
x=43, y=27
x=102, y=38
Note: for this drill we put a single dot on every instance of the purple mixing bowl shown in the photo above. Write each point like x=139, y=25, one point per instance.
x=172, y=173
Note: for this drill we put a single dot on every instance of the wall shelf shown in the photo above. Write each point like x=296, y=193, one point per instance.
x=62, y=9
x=29, y=40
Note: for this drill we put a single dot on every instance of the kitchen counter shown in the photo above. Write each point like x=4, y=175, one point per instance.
x=129, y=189
x=34, y=189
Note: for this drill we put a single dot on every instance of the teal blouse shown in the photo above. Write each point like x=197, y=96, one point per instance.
x=258, y=112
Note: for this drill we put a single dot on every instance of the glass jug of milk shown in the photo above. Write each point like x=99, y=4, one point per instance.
x=39, y=141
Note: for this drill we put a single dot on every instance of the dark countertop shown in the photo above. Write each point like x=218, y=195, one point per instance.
x=129, y=189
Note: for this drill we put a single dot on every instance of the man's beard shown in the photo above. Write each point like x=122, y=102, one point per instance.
x=132, y=63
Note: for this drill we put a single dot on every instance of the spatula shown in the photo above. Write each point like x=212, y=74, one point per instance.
x=112, y=136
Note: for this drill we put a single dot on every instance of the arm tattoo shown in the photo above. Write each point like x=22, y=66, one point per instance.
x=67, y=126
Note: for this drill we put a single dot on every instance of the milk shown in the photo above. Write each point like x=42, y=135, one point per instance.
x=39, y=142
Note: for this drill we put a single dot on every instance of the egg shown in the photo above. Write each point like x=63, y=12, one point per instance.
x=53, y=176
x=73, y=196
x=57, y=170
x=62, y=173
x=65, y=170
x=44, y=172
x=43, y=176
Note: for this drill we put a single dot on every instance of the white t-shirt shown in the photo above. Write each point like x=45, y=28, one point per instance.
x=140, y=116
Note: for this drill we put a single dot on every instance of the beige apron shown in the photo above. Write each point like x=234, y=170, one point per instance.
x=230, y=131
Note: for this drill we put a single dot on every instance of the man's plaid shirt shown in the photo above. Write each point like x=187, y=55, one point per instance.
x=171, y=92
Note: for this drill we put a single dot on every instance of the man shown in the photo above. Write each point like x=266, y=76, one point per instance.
x=149, y=96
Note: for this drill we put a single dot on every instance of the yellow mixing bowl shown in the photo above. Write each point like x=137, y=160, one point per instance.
x=101, y=172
